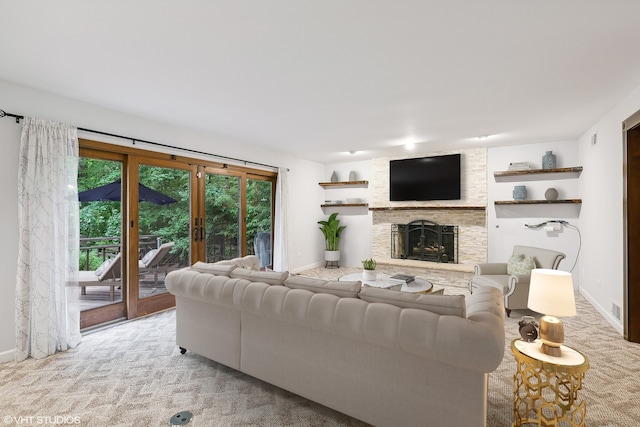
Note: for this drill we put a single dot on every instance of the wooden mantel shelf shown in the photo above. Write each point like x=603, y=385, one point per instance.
x=412, y=208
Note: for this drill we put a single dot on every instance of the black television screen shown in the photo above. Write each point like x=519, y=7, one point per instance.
x=425, y=178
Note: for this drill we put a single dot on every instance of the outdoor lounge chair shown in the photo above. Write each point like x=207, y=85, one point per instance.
x=151, y=262
x=108, y=274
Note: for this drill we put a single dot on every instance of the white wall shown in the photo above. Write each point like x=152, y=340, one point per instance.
x=602, y=264
x=506, y=224
x=303, y=176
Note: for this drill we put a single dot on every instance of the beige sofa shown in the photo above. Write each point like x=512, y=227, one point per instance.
x=385, y=357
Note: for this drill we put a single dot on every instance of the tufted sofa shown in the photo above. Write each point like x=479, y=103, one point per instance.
x=385, y=357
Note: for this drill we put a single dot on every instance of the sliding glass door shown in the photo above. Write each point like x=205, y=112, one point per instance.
x=163, y=233
x=259, y=219
x=144, y=214
x=101, y=229
x=221, y=223
x=238, y=215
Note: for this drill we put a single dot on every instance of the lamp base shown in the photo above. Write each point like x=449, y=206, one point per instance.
x=550, y=350
x=551, y=335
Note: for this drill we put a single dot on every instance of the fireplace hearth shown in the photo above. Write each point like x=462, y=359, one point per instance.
x=425, y=240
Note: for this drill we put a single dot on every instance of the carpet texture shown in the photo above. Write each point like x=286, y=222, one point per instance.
x=132, y=374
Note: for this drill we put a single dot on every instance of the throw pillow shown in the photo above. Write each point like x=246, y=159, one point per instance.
x=520, y=265
x=268, y=277
x=446, y=305
x=346, y=289
x=215, y=269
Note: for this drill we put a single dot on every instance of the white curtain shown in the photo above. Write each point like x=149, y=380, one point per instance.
x=280, y=237
x=47, y=310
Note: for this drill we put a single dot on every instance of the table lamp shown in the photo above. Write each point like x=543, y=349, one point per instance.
x=551, y=293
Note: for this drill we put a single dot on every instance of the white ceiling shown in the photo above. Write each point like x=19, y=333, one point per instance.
x=318, y=78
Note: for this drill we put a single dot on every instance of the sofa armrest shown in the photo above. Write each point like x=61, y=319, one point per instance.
x=493, y=268
x=517, y=280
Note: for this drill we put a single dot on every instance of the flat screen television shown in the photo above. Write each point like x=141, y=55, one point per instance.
x=425, y=178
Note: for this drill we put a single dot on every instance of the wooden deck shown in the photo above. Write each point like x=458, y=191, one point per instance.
x=98, y=296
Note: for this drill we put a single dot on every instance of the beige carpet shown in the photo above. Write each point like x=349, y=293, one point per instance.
x=132, y=374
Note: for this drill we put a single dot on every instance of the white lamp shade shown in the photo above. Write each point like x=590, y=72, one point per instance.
x=551, y=292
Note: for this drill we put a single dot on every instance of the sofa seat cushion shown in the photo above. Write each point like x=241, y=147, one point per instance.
x=498, y=281
x=212, y=268
x=448, y=305
x=268, y=277
x=346, y=289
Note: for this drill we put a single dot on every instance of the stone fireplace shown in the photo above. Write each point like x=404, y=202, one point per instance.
x=463, y=232
x=425, y=240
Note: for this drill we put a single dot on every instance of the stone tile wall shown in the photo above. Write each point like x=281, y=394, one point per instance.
x=469, y=213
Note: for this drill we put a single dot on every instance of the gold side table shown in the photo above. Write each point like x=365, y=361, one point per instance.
x=546, y=388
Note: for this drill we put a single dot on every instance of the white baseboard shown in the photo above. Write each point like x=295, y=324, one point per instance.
x=615, y=323
x=308, y=267
x=7, y=356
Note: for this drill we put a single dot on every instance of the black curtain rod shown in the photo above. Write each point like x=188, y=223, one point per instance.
x=5, y=114
x=134, y=140
x=159, y=144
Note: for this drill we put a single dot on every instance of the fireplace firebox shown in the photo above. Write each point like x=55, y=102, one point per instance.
x=425, y=241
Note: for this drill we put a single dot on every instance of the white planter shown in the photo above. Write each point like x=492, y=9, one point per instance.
x=332, y=255
x=368, y=275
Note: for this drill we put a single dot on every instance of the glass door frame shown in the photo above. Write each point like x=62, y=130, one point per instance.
x=131, y=306
x=116, y=310
x=243, y=174
x=142, y=306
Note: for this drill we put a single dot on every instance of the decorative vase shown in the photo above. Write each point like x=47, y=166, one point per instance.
x=368, y=275
x=334, y=177
x=551, y=194
x=549, y=160
x=353, y=176
x=520, y=192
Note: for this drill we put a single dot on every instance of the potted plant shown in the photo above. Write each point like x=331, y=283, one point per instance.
x=369, y=266
x=331, y=229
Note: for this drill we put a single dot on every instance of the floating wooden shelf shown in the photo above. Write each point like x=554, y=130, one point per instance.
x=536, y=174
x=344, y=205
x=537, y=202
x=411, y=208
x=343, y=183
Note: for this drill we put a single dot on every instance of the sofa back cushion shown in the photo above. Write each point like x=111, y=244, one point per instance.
x=250, y=262
x=215, y=269
x=448, y=305
x=544, y=258
x=345, y=289
x=268, y=277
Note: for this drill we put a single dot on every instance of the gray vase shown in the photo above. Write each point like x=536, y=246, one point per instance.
x=551, y=194
x=549, y=160
x=520, y=192
x=334, y=177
